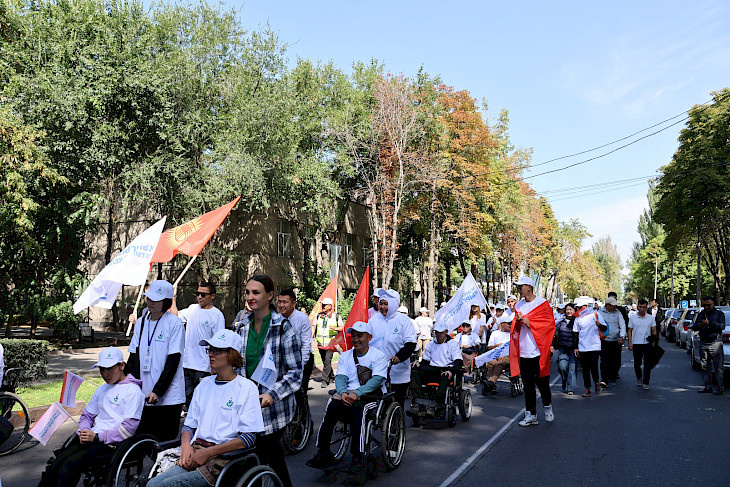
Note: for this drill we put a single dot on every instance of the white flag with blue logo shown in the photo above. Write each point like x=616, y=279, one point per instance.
x=265, y=373
x=493, y=354
x=456, y=311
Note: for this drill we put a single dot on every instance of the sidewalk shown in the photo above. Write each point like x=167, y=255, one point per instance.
x=78, y=361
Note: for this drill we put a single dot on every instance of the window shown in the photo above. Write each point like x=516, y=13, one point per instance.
x=367, y=256
x=349, y=251
x=283, y=240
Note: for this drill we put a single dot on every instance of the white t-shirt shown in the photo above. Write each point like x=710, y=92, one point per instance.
x=389, y=336
x=528, y=345
x=424, y=325
x=374, y=359
x=470, y=340
x=589, y=336
x=301, y=324
x=442, y=354
x=498, y=337
x=113, y=403
x=163, y=337
x=201, y=324
x=641, y=327
x=220, y=412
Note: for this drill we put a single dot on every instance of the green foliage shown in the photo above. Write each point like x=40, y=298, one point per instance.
x=28, y=355
x=62, y=318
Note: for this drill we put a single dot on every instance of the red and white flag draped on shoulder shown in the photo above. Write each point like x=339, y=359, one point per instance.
x=542, y=325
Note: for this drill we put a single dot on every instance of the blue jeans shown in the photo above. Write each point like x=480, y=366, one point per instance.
x=178, y=477
x=566, y=366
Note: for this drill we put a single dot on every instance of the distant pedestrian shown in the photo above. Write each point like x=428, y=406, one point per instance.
x=710, y=324
x=641, y=325
x=327, y=325
x=563, y=344
x=657, y=313
x=587, y=330
x=286, y=304
x=612, y=344
x=510, y=302
x=424, y=325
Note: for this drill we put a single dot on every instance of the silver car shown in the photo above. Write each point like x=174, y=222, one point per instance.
x=694, y=344
x=683, y=324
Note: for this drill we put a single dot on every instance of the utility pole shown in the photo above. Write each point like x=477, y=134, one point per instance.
x=656, y=272
x=672, y=286
x=699, y=268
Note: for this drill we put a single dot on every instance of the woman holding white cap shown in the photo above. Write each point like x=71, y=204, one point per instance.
x=269, y=338
x=224, y=415
x=111, y=416
x=155, y=353
x=394, y=335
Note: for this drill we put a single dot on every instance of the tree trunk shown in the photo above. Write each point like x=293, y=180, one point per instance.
x=461, y=261
x=448, y=277
x=109, y=244
x=432, y=264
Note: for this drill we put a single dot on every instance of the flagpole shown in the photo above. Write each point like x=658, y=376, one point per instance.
x=185, y=270
x=136, y=305
x=69, y=415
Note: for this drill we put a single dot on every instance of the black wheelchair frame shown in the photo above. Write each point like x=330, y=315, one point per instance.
x=13, y=410
x=457, y=396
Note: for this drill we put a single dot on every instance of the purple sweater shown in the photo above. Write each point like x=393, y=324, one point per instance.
x=117, y=435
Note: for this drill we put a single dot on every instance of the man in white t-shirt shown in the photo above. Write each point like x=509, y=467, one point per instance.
x=424, y=328
x=361, y=372
x=641, y=325
x=511, y=301
x=441, y=361
x=202, y=320
x=495, y=367
x=287, y=303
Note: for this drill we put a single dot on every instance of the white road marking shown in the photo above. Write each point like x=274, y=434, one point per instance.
x=468, y=462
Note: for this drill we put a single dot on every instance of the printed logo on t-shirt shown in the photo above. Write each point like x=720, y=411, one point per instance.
x=116, y=398
x=160, y=337
x=395, y=330
x=229, y=405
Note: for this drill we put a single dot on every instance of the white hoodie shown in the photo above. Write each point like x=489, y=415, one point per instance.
x=391, y=332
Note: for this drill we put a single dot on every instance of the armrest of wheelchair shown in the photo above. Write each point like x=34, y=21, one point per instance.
x=232, y=455
x=388, y=394
x=166, y=445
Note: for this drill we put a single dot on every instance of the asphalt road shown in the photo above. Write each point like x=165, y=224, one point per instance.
x=670, y=435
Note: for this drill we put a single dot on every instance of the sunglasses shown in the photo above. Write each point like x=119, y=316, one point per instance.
x=202, y=294
x=216, y=351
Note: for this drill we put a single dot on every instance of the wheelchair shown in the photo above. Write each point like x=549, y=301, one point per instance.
x=515, y=383
x=14, y=413
x=298, y=432
x=457, y=396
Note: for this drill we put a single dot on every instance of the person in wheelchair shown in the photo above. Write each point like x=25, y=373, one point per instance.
x=469, y=344
x=112, y=416
x=224, y=416
x=441, y=361
x=500, y=364
x=359, y=380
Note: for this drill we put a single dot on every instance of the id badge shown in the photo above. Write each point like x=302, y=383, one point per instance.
x=147, y=364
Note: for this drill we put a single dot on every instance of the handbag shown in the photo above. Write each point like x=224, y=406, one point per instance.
x=364, y=374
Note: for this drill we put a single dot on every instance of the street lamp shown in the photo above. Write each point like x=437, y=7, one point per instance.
x=656, y=270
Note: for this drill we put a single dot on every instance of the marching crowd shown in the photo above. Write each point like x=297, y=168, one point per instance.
x=238, y=386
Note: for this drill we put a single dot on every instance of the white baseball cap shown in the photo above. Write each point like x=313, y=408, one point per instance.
x=423, y=310
x=440, y=326
x=402, y=309
x=362, y=327
x=327, y=301
x=443, y=303
x=491, y=305
x=224, y=339
x=160, y=290
x=525, y=280
x=108, y=357
x=561, y=306
x=611, y=300
x=500, y=306
x=511, y=296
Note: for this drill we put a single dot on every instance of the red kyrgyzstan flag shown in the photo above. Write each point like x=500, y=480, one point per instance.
x=542, y=324
x=329, y=292
x=190, y=237
x=359, y=312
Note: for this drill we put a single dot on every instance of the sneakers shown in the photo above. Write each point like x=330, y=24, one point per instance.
x=565, y=385
x=604, y=384
x=358, y=464
x=323, y=459
x=529, y=419
x=706, y=390
x=639, y=382
x=570, y=393
x=598, y=387
x=645, y=387
x=324, y=385
x=549, y=416
x=587, y=393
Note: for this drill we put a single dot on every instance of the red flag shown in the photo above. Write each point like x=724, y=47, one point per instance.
x=542, y=325
x=190, y=237
x=358, y=312
x=329, y=292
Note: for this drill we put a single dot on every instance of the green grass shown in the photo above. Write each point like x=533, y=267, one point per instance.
x=45, y=394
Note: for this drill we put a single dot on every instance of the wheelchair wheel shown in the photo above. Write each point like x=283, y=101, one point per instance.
x=14, y=410
x=451, y=416
x=260, y=476
x=341, y=440
x=299, y=430
x=465, y=405
x=132, y=462
x=394, y=436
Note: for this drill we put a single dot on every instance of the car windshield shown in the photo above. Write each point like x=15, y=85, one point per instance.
x=690, y=314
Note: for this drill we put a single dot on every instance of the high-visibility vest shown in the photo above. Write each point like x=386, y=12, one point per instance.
x=323, y=332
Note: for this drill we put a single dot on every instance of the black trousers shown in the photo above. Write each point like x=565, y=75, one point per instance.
x=530, y=373
x=271, y=453
x=424, y=374
x=328, y=374
x=307, y=373
x=589, y=362
x=353, y=415
x=67, y=467
x=641, y=353
x=192, y=379
x=400, y=390
x=610, y=360
x=162, y=422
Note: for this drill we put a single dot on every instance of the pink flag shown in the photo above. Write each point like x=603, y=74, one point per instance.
x=49, y=423
x=71, y=384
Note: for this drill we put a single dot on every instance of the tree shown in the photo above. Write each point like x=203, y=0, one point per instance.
x=610, y=261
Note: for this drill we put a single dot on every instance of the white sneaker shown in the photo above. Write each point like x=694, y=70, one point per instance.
x=549, y=416
x=529, y=419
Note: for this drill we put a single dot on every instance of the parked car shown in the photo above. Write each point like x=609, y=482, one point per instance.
x=694, y=344
x=683, y=324
x=668, y=324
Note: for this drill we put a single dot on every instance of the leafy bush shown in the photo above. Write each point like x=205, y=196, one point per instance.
x=28, y=355
x=63, y=320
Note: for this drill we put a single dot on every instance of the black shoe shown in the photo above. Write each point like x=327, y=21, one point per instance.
x=358, y=464
x=706, y=390
x=719, y=392
x=324, y=385
x=323, y=459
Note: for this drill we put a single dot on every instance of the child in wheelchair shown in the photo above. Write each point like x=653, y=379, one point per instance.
x=112, y=416
x=224, y=416
x=442, y=359
x=359, y=381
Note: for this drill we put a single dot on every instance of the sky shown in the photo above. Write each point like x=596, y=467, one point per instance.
x=573, y=76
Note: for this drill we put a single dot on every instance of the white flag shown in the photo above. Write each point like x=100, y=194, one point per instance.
x=456, y=311
x=265, y=373
x=495, y=353
x=44, y=428
x=71, y=384
x=129, y=267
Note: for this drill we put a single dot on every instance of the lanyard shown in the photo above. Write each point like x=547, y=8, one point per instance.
x=151, y=337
